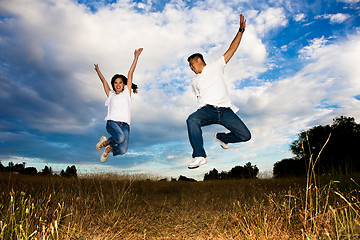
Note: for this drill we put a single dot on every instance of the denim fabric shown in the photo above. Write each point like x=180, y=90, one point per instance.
x=119, y=139
x=208, y=115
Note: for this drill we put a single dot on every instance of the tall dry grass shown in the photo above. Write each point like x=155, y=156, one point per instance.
x=125, y=207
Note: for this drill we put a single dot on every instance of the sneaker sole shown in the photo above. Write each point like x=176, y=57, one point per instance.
x=222, y=144
x=103, y=159
x=102, y=139
x=190, y=167
x=196, y=166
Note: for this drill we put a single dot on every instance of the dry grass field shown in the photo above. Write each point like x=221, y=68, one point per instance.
x=132, y=207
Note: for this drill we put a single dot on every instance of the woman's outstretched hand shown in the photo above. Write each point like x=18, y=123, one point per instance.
x=138, y=52
x=96, y=67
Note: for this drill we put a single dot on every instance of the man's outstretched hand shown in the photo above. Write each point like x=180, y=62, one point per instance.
x=242, y=22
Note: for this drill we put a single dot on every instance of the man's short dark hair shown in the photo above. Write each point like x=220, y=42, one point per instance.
x=196, y=55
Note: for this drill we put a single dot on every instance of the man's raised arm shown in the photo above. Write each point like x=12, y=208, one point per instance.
x=235, y=43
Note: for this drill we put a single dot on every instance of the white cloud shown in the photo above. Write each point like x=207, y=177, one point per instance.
x=271, y=18
x=334, y=18
x=300, y=17
x=349, y=1
x=313, y=49
x=297, y=103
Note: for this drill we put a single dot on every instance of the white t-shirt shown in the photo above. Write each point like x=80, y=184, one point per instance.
x=119, y=106
x=210, y=87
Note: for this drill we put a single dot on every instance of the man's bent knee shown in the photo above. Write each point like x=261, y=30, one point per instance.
x=247, y=137
x=192, y=120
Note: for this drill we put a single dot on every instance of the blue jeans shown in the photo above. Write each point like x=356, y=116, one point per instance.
x=208, y=115
x=119, y=139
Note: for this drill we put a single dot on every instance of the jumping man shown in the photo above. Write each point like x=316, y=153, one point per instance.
x=215, y=106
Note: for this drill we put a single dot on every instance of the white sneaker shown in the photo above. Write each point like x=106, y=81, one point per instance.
x=222, y=144
x=196, y=162
x=99, y=145
x=104, y=155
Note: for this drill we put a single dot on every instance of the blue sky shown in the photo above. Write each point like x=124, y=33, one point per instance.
x=297, y=67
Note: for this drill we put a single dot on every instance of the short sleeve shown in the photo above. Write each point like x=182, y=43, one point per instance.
x=221, y=62
x=193, y=84
x=111, y=93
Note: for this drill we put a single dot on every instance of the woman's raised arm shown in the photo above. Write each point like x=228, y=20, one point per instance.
x=103, y=80
x=132, y=68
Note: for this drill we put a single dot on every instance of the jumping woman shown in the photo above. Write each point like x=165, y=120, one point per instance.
x=118, y=103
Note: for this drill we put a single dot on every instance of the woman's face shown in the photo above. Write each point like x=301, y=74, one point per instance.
x=118, y=85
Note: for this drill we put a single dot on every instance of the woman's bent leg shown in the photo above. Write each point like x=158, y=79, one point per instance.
x=117, y=135
x=123, y=147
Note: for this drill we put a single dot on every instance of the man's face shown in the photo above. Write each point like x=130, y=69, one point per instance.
x=196, y=65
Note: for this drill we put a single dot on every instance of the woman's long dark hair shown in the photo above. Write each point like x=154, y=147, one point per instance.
x=134, y=87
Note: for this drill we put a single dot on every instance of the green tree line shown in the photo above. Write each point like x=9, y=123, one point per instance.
x=336, y=146
x=47, y=171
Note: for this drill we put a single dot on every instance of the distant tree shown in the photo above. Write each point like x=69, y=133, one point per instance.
x=30, y=171
x=69, y=172
x=72, y=171
x=237, y=172
x=247, y=171
x=340, y=155
x=343, y=151
x=224, y=175
x=2, y=168
x=10, y=166
x=212, y=175
x=183, y=178
x=19, y=168
x=47, y=171
x=289, y=167
x=251, y=171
